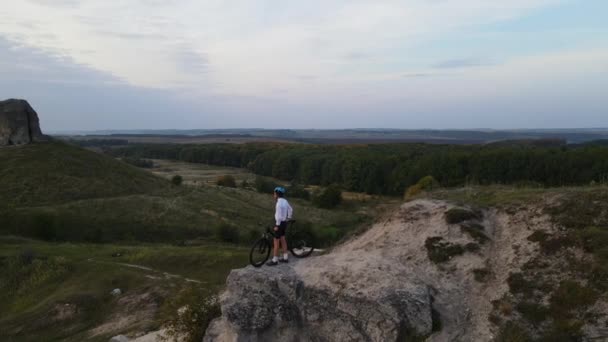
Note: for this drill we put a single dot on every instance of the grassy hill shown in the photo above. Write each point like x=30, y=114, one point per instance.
x=59, y=192
x=53, y=173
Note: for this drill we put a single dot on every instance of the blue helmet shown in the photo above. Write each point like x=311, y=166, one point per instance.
x=280, y=190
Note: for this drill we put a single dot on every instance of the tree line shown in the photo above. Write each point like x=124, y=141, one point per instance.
x=392, y=168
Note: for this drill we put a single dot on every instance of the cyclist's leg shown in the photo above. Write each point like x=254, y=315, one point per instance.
x=284, y=246
x=276, y=247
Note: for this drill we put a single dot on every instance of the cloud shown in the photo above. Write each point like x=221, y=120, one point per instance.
x=249, y=47
x=306, y=63
x=461, y=63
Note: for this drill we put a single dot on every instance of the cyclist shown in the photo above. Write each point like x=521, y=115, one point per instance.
x=282, y=215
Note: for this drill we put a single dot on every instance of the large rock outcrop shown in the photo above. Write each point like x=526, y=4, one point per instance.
x=369, y=289
x=282, y=304
x=419, y=274
x=19, y=123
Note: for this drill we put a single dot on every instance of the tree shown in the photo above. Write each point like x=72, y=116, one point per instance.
x=328, y=198
x=177, y=180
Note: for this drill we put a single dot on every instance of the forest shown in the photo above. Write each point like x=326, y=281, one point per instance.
x=391, y=168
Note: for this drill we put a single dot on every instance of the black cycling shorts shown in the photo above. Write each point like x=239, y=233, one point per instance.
x=281, y=232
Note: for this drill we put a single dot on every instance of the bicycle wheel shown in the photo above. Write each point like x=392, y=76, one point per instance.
x=301, y=246
x=259, y=252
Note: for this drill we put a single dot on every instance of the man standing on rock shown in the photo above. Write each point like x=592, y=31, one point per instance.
x=282, y=215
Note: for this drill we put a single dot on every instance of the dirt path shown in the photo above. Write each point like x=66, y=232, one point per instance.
x=158, y=274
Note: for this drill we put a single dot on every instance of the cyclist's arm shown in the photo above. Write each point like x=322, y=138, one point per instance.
x=289, y=212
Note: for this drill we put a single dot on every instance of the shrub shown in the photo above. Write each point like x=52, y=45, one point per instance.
x=413, y=191
x=177, y=180
x=439, y=251
x=228, y=233
x=512, y=332
x=426, y=183
x=328, y=198
x=538, y=236
x=472, y=247
x=264, y=185
x=245, y=184
x=189, y=315
x=298, y=191
x=45, y=226
x=304, y=230
x=533, y=312
x=457, y=215
x=481, y=274
x=328, y=235
x=571, y=297
x=227, y=181
x=518, y=284
x=475, y=231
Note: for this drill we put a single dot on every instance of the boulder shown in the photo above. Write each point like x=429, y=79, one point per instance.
x=19, y=123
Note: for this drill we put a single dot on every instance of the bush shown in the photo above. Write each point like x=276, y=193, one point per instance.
x=413, y=191
x=475, y=231
x=439, y=251
x=228, y=233
x=512, y=332
x=45, y=226
x=457, y=215
x=571, y=297
x=177, y=180
x=189, y=315
x=304, y=231
x=264, y=185
x=481, y=274
x=426, y=183
x=328, y=198
x=533, y=312
x=298, y=191
x=328, y=236
x=227, y=181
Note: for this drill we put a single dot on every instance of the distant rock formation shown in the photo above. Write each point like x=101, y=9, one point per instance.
x=19, y=123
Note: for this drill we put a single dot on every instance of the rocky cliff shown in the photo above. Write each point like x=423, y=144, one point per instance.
x=428, y=273
x=19, y=123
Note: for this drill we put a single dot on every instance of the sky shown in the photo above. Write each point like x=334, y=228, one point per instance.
x=411, y=64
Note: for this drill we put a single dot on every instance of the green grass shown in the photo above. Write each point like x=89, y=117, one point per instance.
x=58, y=192
x=52, y=173
x=84, y=274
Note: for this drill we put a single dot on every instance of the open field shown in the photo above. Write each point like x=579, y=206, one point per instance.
x=198, y=174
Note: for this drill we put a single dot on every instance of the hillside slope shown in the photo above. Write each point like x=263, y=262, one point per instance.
x=52, y=173
x=59, y=192
x=436, y=272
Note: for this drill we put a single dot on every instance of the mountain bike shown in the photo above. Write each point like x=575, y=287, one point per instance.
x=299, y=244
